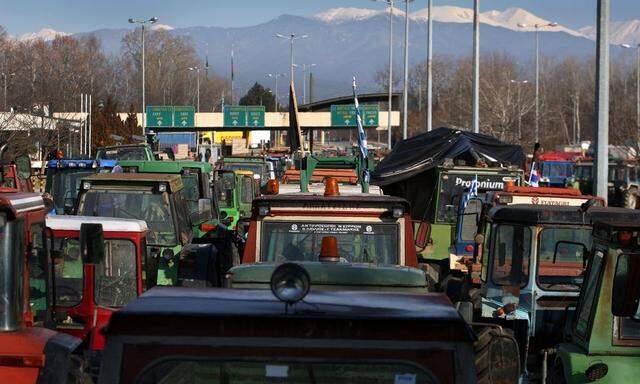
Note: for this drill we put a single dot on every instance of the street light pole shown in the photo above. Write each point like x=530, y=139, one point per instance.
x=476, y=66
x=537, y=97
x=275, y=77
x=390, y=101
x=291, y=38
x=602, y=99
x=197, y=70
x=144, y=102
x=429, y=66
x=405, y=92
x=518, y=84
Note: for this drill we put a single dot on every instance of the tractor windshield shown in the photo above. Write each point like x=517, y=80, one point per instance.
x=357, y=242
x=510, y=255
x=65, y=184
x=281, y=371
x=191, y=191
x=562, y=255
x=224, y=189
x=154, y=208
x=11, y=273
x=556, y=169
x=68, y=271
x=115, y=277
x=256, y=168
x=124, y=153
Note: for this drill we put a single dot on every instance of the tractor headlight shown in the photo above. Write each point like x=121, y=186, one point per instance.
x=290, y=283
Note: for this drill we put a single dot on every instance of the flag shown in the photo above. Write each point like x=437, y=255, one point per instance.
x=295, y=133
x=206, y=61
x=473, y=192
x=231, y=63
x=534, y=178
x=362, y=136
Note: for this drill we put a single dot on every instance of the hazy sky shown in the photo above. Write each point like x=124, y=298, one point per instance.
x=22, y=16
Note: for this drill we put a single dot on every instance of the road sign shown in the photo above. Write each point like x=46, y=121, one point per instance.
x=370, y=115
x=158, y=117
x=255, y=116
x=235, y=116
x=184, y=117
x=345, y=115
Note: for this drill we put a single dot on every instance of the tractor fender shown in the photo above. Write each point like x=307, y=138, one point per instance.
x=59, y=359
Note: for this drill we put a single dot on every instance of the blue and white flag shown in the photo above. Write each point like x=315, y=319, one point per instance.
x=473, y=192
x=362, y=136
x=534, y=178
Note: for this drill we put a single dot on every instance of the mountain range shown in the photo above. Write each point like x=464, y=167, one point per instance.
x=354, y=41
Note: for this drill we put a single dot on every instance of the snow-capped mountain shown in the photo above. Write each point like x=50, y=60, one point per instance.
x=161, y=27
x=622, y=32
x=509, y=18
x=46, y=34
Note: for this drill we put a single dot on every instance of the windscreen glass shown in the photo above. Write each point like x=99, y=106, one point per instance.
x=562, y=257
x=357, y=242
x=180, y=371
x=511, y=250
x=191, y=191
x=68, y=271
x=66, y=183
x=115, y=276
x=132, y=153
x=144, y=205
x=224, y=189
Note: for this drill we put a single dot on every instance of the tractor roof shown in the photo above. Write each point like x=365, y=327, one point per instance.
x=109, y=224
x=205, y=311
x=545, y=214
x=365, y=200
x=21, y=202
x=174, y=181
x=159, y=166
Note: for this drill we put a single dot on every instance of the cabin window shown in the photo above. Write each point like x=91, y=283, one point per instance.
x=589, y=294
x=115, y=277
x=511, y=250
x=193, y=370
x=562, y=255
x=38, y=259
x=628, y=328
x=68, y=269
x=470, y=219
x=247, y=189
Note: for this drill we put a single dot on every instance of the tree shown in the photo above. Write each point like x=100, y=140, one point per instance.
x=258, y=95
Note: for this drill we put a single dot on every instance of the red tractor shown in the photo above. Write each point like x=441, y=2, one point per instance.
x=29, y=353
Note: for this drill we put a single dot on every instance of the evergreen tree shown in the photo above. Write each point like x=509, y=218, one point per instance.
x=259, y=95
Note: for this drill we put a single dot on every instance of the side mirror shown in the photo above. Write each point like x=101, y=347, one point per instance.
x=502, y=254
x=23, y=166
x=92, y=243
x=423, y=235
x=69, y=205
x=626, y=290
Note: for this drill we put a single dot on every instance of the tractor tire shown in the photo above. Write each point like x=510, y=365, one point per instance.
x=630, y=198
x=496, y=356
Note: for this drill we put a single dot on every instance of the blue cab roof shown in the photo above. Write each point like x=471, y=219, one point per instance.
x=71, y=163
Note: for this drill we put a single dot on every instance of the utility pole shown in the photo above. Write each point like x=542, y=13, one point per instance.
x=476, y=66
x=291, y=37
x=275, y=77
x=405, y=93
x=602, y=99
x=144, y=101
x=197, y=71
x=430, y=67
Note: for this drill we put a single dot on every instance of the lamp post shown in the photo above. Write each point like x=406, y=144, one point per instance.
x=390, y=107
x=197, y=71
x=304, y=79
x=291, y=37
x=275, y=77
x=429, y=66
x=518, y=83
x=144, y=105
x=537, y=30
x=476, y=66
x=637, y=47
x=4, y=78
x=405, y=92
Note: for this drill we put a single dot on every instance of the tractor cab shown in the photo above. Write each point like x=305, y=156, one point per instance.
x=28, y=353
x=261, y=169
x=602, y=343
x=107, y=157
x=368, y=228
x=63, y=181
x=178, y=256
x=254, y=336
x=15, y=175
x=556, y=168
x=623, y=181
x=473, y=209
x=234, y=192
x=88, y=291
x=533, y=267
x=196, y=179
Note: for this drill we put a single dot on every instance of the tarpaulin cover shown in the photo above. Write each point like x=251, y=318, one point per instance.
x=421, y=153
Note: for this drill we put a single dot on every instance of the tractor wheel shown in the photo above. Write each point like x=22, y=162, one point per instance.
x=630, y=198
x=496, y=356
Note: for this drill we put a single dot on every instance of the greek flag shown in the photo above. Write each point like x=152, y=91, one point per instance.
x=362, y=136
x=473, y=192
x=534, y=177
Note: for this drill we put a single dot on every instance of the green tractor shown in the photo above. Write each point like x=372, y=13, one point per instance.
x=180, y=257
x=234, y=193
x=261, y=169
x=603, y=342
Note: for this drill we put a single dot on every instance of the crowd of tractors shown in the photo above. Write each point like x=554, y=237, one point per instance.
x=287, y=268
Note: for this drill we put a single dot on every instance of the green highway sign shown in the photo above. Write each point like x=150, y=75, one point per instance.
x=158, y=117
x=255, y=116
x=235, y=116
x=370, y=115
x=345, y=115
x=184, y=117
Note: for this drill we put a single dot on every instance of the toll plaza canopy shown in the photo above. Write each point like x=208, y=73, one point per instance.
x=421, y=153
x=410, y=170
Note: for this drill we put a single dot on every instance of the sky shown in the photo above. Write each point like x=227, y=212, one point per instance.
x=23, y=16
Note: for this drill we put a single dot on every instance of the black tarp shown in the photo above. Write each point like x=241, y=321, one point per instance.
x=408, y=171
